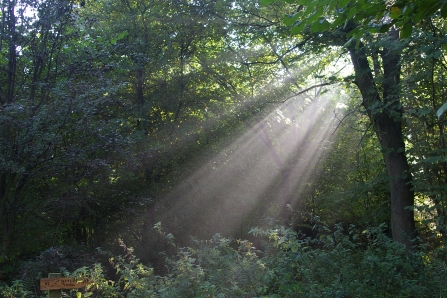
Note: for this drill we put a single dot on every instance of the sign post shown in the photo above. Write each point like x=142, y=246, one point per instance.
x=55, y=283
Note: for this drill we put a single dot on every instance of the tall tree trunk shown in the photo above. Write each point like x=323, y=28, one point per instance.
x=12, y=55
x=140, y=87
x=6, y=176
x=5, y=237
x=386, y=115
x=140, y=96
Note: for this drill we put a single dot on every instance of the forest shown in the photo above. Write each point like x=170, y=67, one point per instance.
x=224, y=148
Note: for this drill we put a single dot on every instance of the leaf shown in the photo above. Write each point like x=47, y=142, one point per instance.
x=384, y=28
x=348, y=42
x=352, y=12
x=343, y=3
x=290, y=20
x=294, y=247
x=338, y=21
x=331, y=6
x=444, y=11
x=315, y=15
x=119, y=36
x=299, y=27
x=395, y=12
x=320, y=26
x=441, y=110
x=315, y=27
x=425, y=9
x=406, y=30
x=309, y=9
x=432, y=160
x=266, y=2
x=324, y=25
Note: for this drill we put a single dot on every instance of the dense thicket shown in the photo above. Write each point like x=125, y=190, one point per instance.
x=212, y=117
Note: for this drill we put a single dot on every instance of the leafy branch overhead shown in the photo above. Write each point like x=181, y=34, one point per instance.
x=376, y=16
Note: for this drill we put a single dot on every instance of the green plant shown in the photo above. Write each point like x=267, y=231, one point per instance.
x=338, y=262
x=15, y=290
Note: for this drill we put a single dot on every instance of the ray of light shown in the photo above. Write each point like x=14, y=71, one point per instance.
x=268, y=163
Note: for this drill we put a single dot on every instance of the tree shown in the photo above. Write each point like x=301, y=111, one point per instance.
x=351, y=184
x=424, y=88
x=385, y=112
x=56, y=138
x=369, y=31
x=30, y=68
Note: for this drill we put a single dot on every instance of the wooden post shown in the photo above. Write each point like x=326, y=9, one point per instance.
x=54, y=293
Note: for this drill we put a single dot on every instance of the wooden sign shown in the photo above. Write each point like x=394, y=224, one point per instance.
x=56, y=283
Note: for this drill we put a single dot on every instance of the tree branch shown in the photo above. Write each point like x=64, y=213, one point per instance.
x=303, y=91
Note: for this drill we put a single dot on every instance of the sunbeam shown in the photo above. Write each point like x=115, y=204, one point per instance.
x=258, y=174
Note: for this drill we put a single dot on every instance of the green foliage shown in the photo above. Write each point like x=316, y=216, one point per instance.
x=120, y=102
x=425, y=118
x=350, y=183
x=349, y=263
x=16, y=290
x=370, y=16
x=344, y=262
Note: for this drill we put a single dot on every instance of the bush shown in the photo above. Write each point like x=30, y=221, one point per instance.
x=338, y=263
x=63, y=259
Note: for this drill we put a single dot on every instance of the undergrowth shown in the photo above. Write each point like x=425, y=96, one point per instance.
x=343, y=262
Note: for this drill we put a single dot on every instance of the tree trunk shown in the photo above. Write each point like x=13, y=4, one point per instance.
x=140, y=87
x=284, y=170
x=386, y=115
x=6, y=176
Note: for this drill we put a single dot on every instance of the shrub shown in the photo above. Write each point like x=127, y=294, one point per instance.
x=343, y=262
x=336, y=264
